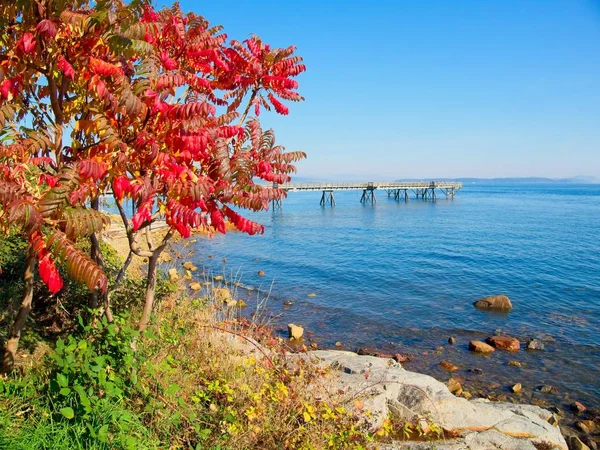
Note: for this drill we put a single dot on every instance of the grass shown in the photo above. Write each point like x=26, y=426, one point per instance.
x=194, y=380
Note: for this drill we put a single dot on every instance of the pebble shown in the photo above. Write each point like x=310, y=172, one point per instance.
x=287, y=303
x=546, y=389
x=312, y=294
x=195, y=286
x=515, y=363
x=189, y=266
x=338, y=344
x=261, y=273
x=517, y=388
x=475, y=371
x=451, y=340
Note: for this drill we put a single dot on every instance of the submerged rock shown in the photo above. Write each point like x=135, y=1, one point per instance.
x=515, y=363
x=447, y=365
x=517, y=388
x=451, y=340
x=495, y=303
x=454, y=386
x=480, y=347
x=507, y=343
x=535, y=344
x=578, y=407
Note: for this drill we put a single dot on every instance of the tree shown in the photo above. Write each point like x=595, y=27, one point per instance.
x=102, y=95
x=52, y=60
x=190, y=158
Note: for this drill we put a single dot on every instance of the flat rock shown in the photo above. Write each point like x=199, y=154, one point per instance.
x=578, y=407
x=495, y=303
x=576, y=444
x=386, y=389
x=507, y=343
x=480, y=347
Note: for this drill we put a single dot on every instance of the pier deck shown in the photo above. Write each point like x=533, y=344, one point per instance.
x=398, y=189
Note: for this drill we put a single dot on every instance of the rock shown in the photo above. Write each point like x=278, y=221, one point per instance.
x=535, y=344
x=515, y=363
x=587, y=426
x=553, y=421
x=173, y=274
x=241, y=303
x=494, y=302
x=578, y=407
x=556, y=410
x=454, y=385
x=517, y=388
x=480, y=347
x=287, y=303
x=189, y=266
x=261, y=273
x=447, y=365
x=400, y=395
x=222, y=294
x=587, y=440
x=338, y=344
x=373, y=352
x=476, y=371
x=218, y=278
x=575, y=443
x=166, y=257
x=188, y=275
x=467, y=395
x=400, y=358
x=295, y=331
x=195, y=286
x=547, y=389
x=451, y=340
x=504, y=343
x=312, y=294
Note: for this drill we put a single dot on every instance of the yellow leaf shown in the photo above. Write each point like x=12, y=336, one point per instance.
x=306, y=416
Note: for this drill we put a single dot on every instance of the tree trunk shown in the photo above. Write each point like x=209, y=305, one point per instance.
x=150, y=291
x=12, y=344
x=96, y=256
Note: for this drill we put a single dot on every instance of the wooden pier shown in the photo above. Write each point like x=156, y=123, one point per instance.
x=399, y=190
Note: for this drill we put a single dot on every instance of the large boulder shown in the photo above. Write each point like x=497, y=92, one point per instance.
x=494, y=303
x=386, y=389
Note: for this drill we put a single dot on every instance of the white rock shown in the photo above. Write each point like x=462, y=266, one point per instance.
x=385, y=388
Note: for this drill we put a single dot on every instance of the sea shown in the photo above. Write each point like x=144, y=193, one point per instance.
x=402, y=277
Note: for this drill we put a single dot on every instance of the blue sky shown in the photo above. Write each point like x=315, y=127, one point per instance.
x=425, y=88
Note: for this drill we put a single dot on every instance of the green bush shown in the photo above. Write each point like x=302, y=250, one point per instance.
x=80, y=395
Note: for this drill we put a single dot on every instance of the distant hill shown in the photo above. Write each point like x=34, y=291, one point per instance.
x=531, y=180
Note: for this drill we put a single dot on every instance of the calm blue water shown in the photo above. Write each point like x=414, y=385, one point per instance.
x=406, y=274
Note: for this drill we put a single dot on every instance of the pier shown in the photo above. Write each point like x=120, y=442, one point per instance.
x=399, y=190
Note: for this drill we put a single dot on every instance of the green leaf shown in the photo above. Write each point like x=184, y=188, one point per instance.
x=62, y=380
x=102, y=433
x=67, y=412
x=65, y=391
x=172, y=389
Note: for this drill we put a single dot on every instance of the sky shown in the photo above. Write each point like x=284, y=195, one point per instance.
x=434, y=88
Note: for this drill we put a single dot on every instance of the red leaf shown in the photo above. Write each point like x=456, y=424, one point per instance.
x=121, y=186
x=46, y=28
x=27, y=43
x=279, y=107
x=65, y=67
x=167, y=62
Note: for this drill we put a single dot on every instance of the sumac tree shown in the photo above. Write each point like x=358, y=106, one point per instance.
x=151, y=106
